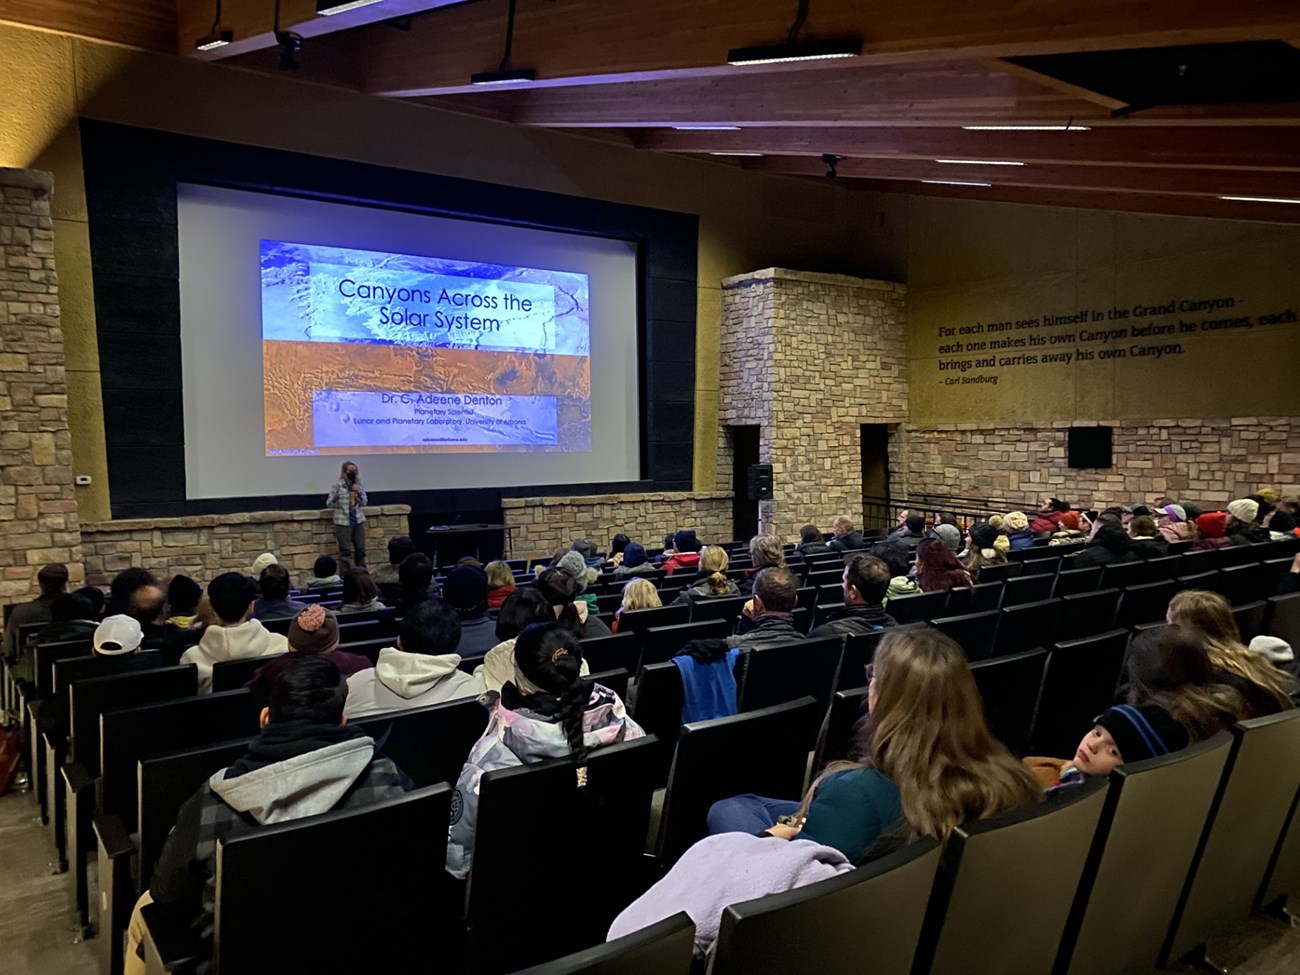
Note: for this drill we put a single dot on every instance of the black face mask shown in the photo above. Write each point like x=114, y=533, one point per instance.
x=352, y=476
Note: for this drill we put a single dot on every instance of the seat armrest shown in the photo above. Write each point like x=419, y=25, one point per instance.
x=169, y=943
x=114, y=840
x=76, y=777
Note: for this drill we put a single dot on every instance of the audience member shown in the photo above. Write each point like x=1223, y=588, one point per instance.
x=261, y=562
x=617, y=545
x=768, y=617
x=1281, y=527
x=985, y=546
x=1108, y=545
x=950, y=535
x=572, y=564
x=414, y=581
x=52, y=580
x=1172, y=523
x=71, y=618
x=125, y=585
x=96, y=597
x=811, y=541
x=183, y=598
x=765, y=551
x=1211, y=530
x=866, y=581
x=386, y=576
x=686, y=552
x=1049, y=517
x=1016, y=524
x=466, y=591
x=713, y=583
x=275, y=603
x=501, y=583
x=637, y=594
x=360, y=594
x=546, y=710
x=894, y=553
x=307, y=760
x=928, y=762
x=1121, y=734
x=235, y=635
x=524, y=608
x=587, y=550
x=561, y=590
x=1147, y=540
x=324, y=573
x=1242, y=527
x=422, y=669
x=844, y=537
x=900, y=524
x=1169, y=666
x=313, y=631
x=937, y=568
x=1265, y=689
x=148, y=606
x=634, y=562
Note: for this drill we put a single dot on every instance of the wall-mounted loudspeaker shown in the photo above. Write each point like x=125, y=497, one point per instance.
x=1090, y=446
x=759, y=482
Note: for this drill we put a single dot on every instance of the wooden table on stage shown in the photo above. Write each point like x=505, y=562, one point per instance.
x=438, y=533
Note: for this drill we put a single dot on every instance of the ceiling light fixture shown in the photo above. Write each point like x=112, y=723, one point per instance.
x=328, y=8
x=504, y=74
x=1068, y=127
x=952, y=182
x=752, y=155
x=1258, y=199
x=796, y=50
x=706, y=128
x=979, y=162
x=215, y=37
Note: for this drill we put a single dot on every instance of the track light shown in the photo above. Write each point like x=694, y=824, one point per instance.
x=748, y=155
x=215, y=37
x=504, y=74
x=979, y=162
x=832, y=161
x=953, y=182
x=796, y=50
x=290, y=45
x=1258, y=199
x=328, y=8
x=1068, y=127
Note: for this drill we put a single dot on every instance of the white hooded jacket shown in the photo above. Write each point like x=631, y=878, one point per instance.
x=221, y=643
x=408, y=680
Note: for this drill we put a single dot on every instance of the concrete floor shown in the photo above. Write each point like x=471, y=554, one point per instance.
x=39, y=933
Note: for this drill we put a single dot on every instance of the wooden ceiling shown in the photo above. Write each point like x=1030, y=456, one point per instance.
x=641, y=72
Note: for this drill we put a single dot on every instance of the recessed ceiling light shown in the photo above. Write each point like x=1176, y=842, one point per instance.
x=953, y=182
x=1258, y=199
x=750, y=154
x=214, y=40
x=518, y=76
x=706, y=128
x=328, y=8
x=979, y=162
x=843, y=47
x=1027, y=128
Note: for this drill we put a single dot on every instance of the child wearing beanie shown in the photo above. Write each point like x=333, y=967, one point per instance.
x=313, y=631
x=1123, y=733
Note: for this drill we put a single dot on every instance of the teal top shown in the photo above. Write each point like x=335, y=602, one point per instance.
x=851, y=810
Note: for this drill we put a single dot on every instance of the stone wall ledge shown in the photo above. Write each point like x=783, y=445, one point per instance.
x=236, y=518
x=811, y=277
x=593, y=499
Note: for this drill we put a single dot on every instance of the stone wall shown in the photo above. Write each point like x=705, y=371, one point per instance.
x=1209, y=460
x=38, y=509
x=810, y=358
x=542, y=524
x=204, y=546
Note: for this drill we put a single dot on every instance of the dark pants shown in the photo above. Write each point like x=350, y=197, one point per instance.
x=351, y=537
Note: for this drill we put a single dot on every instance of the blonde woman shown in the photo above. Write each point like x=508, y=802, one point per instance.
x=927, y=761
x=713, y=567
x=637, y=594
x=501, y=584
x=1266, y=689
x=766, y=551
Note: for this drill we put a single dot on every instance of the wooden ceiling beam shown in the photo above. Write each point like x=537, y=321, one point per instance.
x=1168, y=182
x=595, y=41
x=148, y=24
x=1263, y=148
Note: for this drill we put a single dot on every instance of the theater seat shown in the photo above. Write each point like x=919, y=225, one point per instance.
x=665, y=948
x=1079, y=684
x=917, y=608
x=1027, y=626
x=1009, y=687
x=835, y=741
x=1027, y=589
x=974, y=632
x=1088, y=614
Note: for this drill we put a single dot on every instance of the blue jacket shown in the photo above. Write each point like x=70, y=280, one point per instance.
x=708, y=689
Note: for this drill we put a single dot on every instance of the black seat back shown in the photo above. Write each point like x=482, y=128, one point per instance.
x=1241, y=584
x=917, y=608
x=1047, y=565
x=402, y=854
x=835, y=740
x=974, y=632
x=69, y=670
x=230, y=675
x=130, y=734
x=774, y=675
x=1154, y=816
x=640, y=620
x=1283, y=880
x=1124, y=574
x=1027, y=626
x=1088, y=613
x=621, y=650
x=1070, y=582
x=661, y=643
x=664, y=948
x=658, y=710
x=721, y=608
x=764, y=752
x=1079, y=684
x=92, y=697
x=1027, y=589
x=868, y=919
x=859, y=650
x=1198, y=561
x=1009, y=686
x=611, y=813
x=616, y=680
x=47, y=653
x=1284, y=618
x=1001, y=573
x=1248, y=817
x=429, y=744
x=1250, y=619
x=1146, y=603
x=1232, y=555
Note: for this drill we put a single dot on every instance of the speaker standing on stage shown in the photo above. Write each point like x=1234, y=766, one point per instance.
x=347, y=498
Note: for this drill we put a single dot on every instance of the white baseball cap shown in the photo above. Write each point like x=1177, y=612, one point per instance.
x=118, y=635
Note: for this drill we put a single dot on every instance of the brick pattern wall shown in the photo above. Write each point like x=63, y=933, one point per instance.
x=38, y=509
x=205, y=546
x=811, y=357
x=543, y=524
x=1208, y=460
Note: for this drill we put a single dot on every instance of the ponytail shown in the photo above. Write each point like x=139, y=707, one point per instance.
x=718, y=584
x=548, y=658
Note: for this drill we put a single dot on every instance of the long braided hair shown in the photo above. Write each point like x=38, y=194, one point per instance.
x=550, y=656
